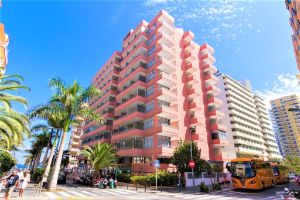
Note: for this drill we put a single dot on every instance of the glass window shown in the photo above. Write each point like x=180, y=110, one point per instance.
x=148, y=142
x=164, y=141
x=149, y=106
x=150, y=76
x=150, y=91
x=152, y=38
x=151, y=51
x=148, y=123
x=151, y=63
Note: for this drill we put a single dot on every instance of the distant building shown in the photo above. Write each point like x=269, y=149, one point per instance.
x=158, y=90
x=4, y=40
x=74, y=146
x=287, y=124
x=248, y=125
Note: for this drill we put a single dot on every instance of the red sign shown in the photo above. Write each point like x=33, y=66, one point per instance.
x=192, y=164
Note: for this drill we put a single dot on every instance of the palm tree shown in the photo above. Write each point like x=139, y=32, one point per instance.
x=13, y=125
x=100, y=156
x=69, y=103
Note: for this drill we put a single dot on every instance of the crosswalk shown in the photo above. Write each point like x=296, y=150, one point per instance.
x=223, y=196
x=85, y=194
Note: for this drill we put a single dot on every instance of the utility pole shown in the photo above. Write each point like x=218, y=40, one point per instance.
x=191, y=130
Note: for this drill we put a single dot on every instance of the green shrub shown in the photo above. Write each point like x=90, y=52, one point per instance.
x=203, y=187
x=7, y=161
x=37, y=175
x=217, y=186
x=125, y=178
x=163, y=178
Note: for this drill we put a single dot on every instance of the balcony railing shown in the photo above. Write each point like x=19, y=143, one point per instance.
x=122, y=129
x=140, y=109
x=141, y=93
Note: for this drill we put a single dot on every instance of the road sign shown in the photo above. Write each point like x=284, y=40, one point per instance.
x=192, y=164
x=156, y=163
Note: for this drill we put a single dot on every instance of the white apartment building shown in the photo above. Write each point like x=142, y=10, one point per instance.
x=74, y=145
x=246, y=118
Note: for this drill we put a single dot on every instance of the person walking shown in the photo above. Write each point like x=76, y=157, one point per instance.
x=179, y=182
x=23, y=183
x=11, y=182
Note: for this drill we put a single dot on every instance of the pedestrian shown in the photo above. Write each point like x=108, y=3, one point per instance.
x=24, y=182
x=225, y=180
x=11, y=183
x=20, y=174
x=179, y=182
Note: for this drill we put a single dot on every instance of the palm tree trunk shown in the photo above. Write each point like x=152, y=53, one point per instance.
x=48, y=166
x=48, y=147
x=37, y=160
x=53, y=181
x=32, y=163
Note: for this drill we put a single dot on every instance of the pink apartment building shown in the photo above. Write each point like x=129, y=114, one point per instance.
x=158, y=90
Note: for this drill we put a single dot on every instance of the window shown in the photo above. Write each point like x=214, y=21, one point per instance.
x=150, y=76
x=151, y=63
x=152, y=38
x=150, y=106
x=151, y=51
x=148, y=142
x=148, y=123
x=150, y=91
x=164, y=141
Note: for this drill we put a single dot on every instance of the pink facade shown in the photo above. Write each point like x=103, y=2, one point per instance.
x=158, y=90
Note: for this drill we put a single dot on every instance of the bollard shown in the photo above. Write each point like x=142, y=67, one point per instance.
x=145, y=188
x=160, y=187
x=136, y=187
x=127, y=186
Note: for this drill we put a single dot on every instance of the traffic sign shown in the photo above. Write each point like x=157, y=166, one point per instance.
x=156, y=163
x=192, y=164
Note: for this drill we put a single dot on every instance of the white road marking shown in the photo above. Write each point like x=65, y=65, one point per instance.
x=51, y=195
x=64, y=194
x=128, y=191
x=76, y=193
x=107, y=191
x=89, y=193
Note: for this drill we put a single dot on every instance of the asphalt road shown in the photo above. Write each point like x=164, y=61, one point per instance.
x=81, y=193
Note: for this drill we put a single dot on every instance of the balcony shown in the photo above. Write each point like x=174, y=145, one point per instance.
x=166, y=95
x=126, y=133
x=165, y=66
x=165, y=52
x=192, y=79
x=140, y=49
x=166, y=80
x=138, y=97
x=140, y=83
x=189, y=56
x=132, y=146
x=167, y=112
x=189, y=45
x=133, y=61
x=191, y=67
x=208, y=59
x=164, y=129
x=99, y=129
x=164, y=27
x=165, y=39
x=210, y=68
x=142, y=37
x=130, y=115
x=192, y=91
x=132, y=73
x=219, y=138
x=212, y=100
x=210, y=77
x=213, y=90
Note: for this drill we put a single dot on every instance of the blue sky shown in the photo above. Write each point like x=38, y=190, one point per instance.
x=72, y=39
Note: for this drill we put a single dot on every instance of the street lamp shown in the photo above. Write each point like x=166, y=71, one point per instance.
x=192, y=130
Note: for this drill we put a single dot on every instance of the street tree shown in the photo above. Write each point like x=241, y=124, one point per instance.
x=7, y=161
x=100, y=156
x=292, y=163
x=182, y=156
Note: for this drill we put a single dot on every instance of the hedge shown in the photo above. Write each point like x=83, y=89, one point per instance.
x=164, y=178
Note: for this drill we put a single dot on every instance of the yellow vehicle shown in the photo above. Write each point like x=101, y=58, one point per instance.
x=281, y=173
x=251, y=173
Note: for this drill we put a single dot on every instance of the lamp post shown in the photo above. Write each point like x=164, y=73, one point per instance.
x=192, y=129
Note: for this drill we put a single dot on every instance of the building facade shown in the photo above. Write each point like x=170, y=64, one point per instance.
x=158, y=90
x=287, y=124
x=74, y=146
x=3, y=48
x=248, y=124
